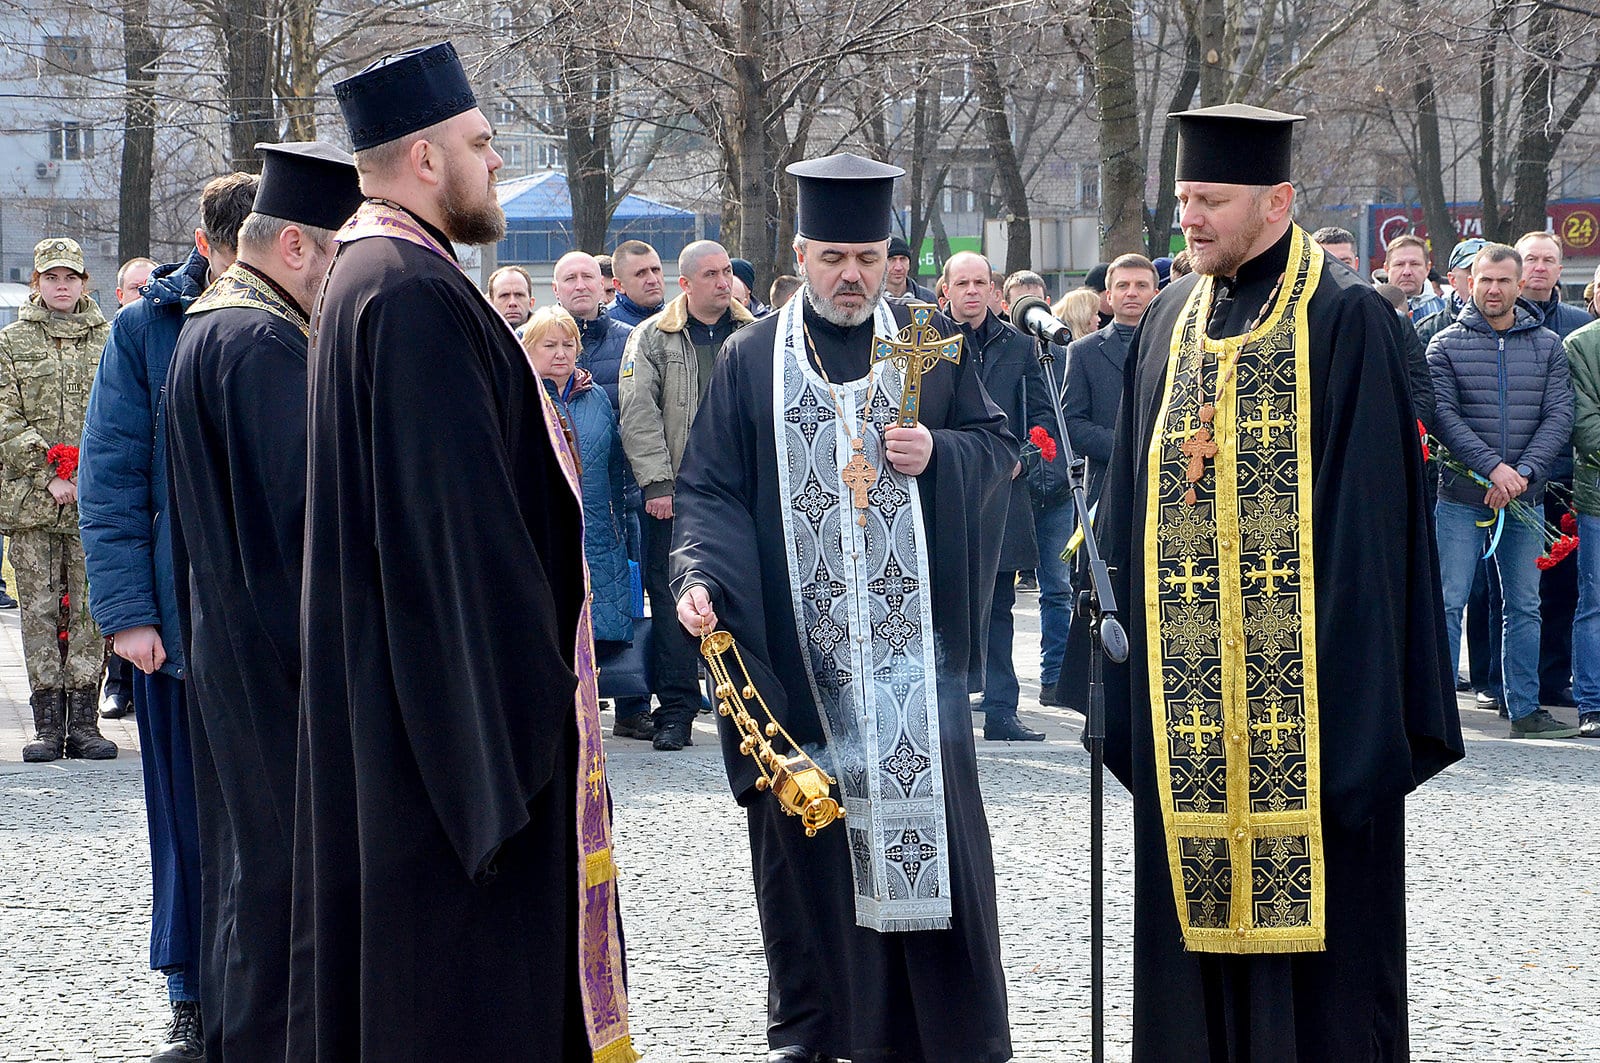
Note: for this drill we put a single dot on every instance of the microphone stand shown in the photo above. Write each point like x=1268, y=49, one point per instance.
x=1098, y=606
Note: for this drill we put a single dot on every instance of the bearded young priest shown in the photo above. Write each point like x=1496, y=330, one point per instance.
x=858, y=604
x=454, y=885
x=1264, y=516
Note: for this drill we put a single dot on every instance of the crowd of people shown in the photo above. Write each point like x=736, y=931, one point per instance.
x=165, y=490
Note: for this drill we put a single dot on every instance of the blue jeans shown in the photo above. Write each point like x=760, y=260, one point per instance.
x=1053, y=527
x=1461, y=544
x=1586, y=622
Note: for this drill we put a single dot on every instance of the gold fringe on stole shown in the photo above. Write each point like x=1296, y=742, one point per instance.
x=1229, y=605
x=599, y=867
x=619, y=1051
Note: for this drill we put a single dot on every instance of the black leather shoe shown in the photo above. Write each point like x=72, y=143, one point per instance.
x=1050, y=697
x=1561, y=699
x=797, y=1054
x=1463, y=685
x=115, y=704
x=6, y=601
x=185, y=1041
x=640, y=725
x=1486, y=700
x=1009, y=729
x=671, y=737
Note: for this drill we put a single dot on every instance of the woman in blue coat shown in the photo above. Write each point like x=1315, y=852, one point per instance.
x=553, y=343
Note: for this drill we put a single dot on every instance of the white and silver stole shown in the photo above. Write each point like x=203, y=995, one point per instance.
x=863, y=613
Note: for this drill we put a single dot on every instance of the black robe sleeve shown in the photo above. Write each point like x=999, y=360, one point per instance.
x=483, y=676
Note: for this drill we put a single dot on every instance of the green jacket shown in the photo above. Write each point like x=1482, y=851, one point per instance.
x=1583, y=356
x=660, y=391
x=47, y=364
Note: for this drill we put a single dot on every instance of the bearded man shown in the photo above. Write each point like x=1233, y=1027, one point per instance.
x=1265, y=407
x=454, y=887
x=852, y=559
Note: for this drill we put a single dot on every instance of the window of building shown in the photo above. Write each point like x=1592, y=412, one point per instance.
x=68, y=54
x=1089, y=186
x=71, y=140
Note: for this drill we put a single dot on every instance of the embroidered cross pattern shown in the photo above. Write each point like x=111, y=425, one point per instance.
x=1274, y=726
x=1195, y=732
x=1269, y=574
x=1186, y=583
x=595, y=775
x=1264, y=424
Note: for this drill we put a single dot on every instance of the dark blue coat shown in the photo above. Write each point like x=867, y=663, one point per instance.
x=127, y=544
x=1501, y=397
x=603, y=340
x=594, y=424
x=122, y=468
x=1091, y=396
x=631, y=313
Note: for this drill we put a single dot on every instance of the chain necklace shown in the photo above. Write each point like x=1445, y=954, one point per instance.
x=859, y=474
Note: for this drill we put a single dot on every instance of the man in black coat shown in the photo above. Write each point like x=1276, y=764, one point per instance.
x=236, y=441
x=1010, y=373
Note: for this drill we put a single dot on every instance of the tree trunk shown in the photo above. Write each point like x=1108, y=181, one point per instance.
x=140, y=52
x=749, y=135
x=1530, y=189
x=1166, y=191
x=299, y=102
x=247, y=83
x=1215, y=61
x=1488, y=183
x=1430, y=169
x=587, y=91
x=1008, y=171
x=1122, y=167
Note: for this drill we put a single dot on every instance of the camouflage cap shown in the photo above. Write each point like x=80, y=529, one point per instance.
x=56, y=252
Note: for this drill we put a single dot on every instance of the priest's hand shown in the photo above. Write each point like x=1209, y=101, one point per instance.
x=908, y=449
x=141, y=646
x=695, y=612
x=659, y=508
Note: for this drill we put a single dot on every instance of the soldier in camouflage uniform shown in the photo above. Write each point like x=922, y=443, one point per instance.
x=47, y=362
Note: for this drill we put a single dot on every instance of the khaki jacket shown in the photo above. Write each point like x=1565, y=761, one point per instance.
x=660, y=386
x=47, y=365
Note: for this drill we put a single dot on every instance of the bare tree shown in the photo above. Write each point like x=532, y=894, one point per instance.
x=140, y=51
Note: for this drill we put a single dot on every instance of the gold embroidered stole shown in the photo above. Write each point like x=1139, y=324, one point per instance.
x=239, y=287
x=1230, y=607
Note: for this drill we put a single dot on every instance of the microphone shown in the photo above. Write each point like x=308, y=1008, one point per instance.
x=1032, y=315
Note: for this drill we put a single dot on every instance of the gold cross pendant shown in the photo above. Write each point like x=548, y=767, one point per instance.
x=858, y=475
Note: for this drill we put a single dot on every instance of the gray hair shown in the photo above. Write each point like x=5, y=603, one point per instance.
x=690, y=257
x=261, y=231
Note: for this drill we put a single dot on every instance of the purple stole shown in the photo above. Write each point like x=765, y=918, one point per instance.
x=605, y=997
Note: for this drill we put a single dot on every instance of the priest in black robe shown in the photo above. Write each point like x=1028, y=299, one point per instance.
x=236, y=444
x=454, y=883
x=1264, y=515
x=846, y=594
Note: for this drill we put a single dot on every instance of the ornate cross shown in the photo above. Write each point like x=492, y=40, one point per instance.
x=916, y=350
x=1196, y=732
x=595, y=775
x=1275, y=727
x=858, y=475
x=1186, y=583
x=1269, y=574
x=1197, y=448
x=1264, y=422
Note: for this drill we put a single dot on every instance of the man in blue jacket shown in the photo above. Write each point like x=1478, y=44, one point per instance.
x=122, y=505
x=1504, y=410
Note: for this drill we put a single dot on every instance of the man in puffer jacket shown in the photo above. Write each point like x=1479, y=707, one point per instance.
x=1504, y=411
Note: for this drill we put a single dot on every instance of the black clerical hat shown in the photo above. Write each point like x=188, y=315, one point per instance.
x=402, y=93
x=845, y=199
x=1234, y=144
x=311, y=183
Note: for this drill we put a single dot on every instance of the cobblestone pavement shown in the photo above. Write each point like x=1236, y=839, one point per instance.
x=1505, y=940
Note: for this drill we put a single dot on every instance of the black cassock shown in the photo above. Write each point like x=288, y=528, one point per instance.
x=833, y=986
x=1388, y=710
x=435, y=910
x=235, y=409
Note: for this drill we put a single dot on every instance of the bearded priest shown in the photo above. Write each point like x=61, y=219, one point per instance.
x=1265, y=517
x=852, y=559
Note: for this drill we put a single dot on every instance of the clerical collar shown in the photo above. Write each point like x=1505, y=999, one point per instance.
x=432, y=229
x=283, y=293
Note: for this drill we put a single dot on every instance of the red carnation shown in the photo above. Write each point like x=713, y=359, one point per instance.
x=65, y=458
x=1569, y=524
x=1041, y=439
x=1422, y=431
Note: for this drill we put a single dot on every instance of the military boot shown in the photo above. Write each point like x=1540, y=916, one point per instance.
x=83, y=728
x=50, y=725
